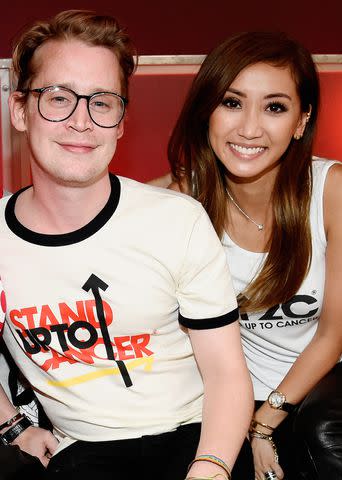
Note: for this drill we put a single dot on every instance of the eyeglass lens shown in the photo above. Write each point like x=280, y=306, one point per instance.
x=57, y=104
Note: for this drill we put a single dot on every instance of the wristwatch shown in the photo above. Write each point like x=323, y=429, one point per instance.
x=11, y=434
x=277, y=400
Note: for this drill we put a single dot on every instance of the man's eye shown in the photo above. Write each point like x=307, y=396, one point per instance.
x=59, y=100
x=99, y=104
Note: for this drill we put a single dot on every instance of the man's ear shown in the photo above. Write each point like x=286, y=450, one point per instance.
x=120, y=129
x=17, y=111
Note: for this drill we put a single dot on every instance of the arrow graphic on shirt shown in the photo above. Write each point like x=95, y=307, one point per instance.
x=103, y=372
x=94, y=284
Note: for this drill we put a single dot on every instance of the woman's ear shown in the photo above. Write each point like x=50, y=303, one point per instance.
x=17, y=111
x=304, y=119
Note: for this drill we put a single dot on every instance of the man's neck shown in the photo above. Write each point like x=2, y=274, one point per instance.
x=52, y=208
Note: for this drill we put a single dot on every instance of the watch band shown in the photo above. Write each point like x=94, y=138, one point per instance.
x=288, y=407
x=8, y=437
x=12, y=420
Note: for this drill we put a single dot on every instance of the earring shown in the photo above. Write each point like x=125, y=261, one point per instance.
x=298, y=136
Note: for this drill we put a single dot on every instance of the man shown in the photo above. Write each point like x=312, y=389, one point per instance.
x=119, y=303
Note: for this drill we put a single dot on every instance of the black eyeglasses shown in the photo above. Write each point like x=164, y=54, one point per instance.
x=55, y=104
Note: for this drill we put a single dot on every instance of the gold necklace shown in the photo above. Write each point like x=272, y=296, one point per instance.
x=259, y=225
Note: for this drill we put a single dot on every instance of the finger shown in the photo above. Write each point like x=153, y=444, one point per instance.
x=259, y=475
x=44, y=460
x=278, y=470
x=51, y=443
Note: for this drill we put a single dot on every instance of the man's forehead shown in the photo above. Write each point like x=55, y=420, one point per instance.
x=77, y=65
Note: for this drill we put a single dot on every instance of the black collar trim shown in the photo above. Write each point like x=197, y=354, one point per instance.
x=63, y=239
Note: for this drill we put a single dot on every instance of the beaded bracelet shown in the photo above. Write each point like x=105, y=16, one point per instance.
x=212, y=459
x=208, y=478
x=12, y=420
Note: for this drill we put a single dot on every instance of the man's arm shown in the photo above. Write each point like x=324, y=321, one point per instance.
x=208, y=309
x=228, y=395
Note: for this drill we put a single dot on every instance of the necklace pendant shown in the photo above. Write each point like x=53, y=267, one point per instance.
x=260, y=226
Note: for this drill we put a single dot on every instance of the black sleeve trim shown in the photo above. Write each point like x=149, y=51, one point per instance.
x=209, y=323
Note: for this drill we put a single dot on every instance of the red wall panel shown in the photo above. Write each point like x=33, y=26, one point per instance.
x=329, y=134
x=192, y=26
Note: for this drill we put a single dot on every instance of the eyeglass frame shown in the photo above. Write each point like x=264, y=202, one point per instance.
x=41, y=90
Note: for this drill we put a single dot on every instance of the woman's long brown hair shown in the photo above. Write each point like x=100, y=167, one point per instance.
x=194, y=163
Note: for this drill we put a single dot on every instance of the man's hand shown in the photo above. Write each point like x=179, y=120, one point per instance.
x=38, y=442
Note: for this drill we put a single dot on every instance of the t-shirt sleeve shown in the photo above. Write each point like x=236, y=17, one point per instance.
x=205, y=292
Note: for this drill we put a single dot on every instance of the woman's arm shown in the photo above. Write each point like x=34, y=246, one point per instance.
x=34, y=440
x=325, y=349
x=228, y=395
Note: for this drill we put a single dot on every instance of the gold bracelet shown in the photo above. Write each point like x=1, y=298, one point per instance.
x=264, y=436
x=254, y=430
x=255, y=423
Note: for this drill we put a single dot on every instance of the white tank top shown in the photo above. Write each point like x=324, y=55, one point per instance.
x=273, y=339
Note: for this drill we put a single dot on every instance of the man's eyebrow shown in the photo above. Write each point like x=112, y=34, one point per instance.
x=71, y=86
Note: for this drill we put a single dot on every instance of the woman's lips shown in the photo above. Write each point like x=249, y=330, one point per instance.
x=246, y=151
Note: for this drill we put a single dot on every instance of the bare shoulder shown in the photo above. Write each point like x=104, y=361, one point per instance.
x=174, y=186
x=333, y=183
x=333, y=196
x=181, y=186
x=164, y=181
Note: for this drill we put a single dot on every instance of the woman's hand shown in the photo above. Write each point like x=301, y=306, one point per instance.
x=264, y=459
x=38, y=442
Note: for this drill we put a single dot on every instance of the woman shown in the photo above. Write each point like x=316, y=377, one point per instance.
x=243, y=147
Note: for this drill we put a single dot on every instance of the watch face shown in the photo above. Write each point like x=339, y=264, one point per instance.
x=276, y=399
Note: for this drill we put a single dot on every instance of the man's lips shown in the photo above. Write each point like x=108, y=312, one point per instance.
x=77, y=147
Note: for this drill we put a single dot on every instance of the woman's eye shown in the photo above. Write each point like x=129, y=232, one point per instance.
x=232, y=103
x=276, y=107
